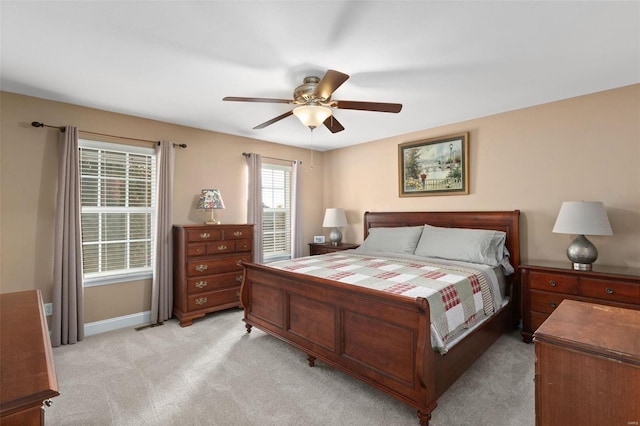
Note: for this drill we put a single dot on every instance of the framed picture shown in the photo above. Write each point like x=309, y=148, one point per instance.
x=437, y=166
x=318, y=239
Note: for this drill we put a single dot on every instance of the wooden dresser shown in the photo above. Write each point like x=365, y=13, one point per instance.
x=324, y=248
x=545, y=284
x=28, y=377
x=587, y=369
x=207, y=274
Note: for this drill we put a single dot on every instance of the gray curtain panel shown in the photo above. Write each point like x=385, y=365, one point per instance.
x=162, y=286
x=254, y=203
x=67, y=323
x=297, y=239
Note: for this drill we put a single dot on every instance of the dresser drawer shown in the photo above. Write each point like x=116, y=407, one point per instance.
x=196, y=249
x=238, y=233
x=224, y=246
x=216, y=298
x=547, y=302
x=214, y=282
x=557, y=283
x=203, y=235
x=610, y=290
x=215, y=266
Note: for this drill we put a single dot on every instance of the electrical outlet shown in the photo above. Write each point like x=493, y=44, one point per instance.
x=48, y=309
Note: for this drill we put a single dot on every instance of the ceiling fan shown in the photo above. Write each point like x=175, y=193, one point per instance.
x=314, y=103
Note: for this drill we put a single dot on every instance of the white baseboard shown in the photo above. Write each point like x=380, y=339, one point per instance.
x=132, y=320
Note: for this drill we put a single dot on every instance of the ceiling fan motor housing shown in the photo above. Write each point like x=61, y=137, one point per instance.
x=305, y=93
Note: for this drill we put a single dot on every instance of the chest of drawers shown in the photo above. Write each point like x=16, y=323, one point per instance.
x=546, y=284
x=207, y=274
x=587, y=367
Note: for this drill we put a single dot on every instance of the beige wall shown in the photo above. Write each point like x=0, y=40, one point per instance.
x=533, y=159
x=586, y=148
x=28, y=172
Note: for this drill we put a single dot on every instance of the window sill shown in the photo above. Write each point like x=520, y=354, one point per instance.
x=115, y=279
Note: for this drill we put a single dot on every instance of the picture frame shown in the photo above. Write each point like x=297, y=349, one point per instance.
x=436, y=166
x=318, y=239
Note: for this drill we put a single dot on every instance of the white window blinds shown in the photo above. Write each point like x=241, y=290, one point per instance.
x=117, y=187
x=276, y=215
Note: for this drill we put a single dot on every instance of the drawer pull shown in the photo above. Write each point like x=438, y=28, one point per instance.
x=552, y=283
x=205, y=235
x=201, y=268
x=201, y=284
x=239, y=278
x=201, y=300
x=239, y=262
x=222, y=247
x=237, y=294
x=553, y=304
x=237, y=233
x=609, y=290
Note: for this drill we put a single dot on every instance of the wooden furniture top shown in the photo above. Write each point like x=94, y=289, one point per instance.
x=587, y=327
x=598, y=270
x=27, y=373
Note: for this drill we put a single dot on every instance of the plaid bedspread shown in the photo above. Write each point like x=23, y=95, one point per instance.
x=458, y=296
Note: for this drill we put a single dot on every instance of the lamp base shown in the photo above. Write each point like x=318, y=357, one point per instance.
x=335, y=236
x=582, y=253
x=582, y=266
x=212, y=220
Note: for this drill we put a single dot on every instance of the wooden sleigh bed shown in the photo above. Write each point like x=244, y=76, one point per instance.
x=380, y=338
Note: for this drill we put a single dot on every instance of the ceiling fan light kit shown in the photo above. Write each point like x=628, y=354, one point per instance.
x=313, y=100
x=312, y=115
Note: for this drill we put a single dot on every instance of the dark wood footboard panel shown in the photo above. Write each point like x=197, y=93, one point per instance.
x=381, y=339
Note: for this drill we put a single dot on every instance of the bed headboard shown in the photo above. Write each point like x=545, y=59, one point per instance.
x=507, y=221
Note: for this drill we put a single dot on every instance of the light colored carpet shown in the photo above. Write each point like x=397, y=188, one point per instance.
x=214, y=373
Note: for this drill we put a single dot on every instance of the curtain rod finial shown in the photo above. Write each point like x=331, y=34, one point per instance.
x=37, y=124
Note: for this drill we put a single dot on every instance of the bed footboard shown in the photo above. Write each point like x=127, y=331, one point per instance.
x=381, y=339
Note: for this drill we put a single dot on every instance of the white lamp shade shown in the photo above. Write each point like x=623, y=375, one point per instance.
x=334, y=218
x=583, y=218
x=312, y=115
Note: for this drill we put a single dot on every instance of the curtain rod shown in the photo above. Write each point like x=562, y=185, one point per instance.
x=62, y=129
x=247, y=154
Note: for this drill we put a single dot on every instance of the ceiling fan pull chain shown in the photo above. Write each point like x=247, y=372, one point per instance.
x=311, y=138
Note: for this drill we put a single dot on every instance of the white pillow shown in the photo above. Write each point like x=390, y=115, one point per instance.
x=392, y=240
x=468, y=245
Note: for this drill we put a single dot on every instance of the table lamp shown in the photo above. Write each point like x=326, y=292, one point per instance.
x=210, y=199
x=582, y=218
x=333, y=218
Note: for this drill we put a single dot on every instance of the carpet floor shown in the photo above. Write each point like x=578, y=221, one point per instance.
x=214, y=373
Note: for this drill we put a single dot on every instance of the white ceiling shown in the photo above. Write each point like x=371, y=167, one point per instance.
x=445, y=62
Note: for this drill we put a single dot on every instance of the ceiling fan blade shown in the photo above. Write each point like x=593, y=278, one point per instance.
x=329, y=83
x=268, y=100
x=273, y=120
x=333, y=125
x=369, y=106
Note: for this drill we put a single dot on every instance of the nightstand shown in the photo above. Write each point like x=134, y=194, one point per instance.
x=324, y=248
x=545, y=284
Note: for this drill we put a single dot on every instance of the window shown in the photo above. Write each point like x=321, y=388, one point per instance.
x=276, y=212
x=117, y=192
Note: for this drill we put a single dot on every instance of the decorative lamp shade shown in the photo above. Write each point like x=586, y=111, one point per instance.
x=582, y=218
x=334, y=218
x=312, y=115
x=210, y=199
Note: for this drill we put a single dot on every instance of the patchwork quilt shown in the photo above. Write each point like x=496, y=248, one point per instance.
x=459, y=296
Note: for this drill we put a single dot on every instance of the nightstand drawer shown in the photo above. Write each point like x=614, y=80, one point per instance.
x=556, y=283
x=610, y=290
x=547, y=302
